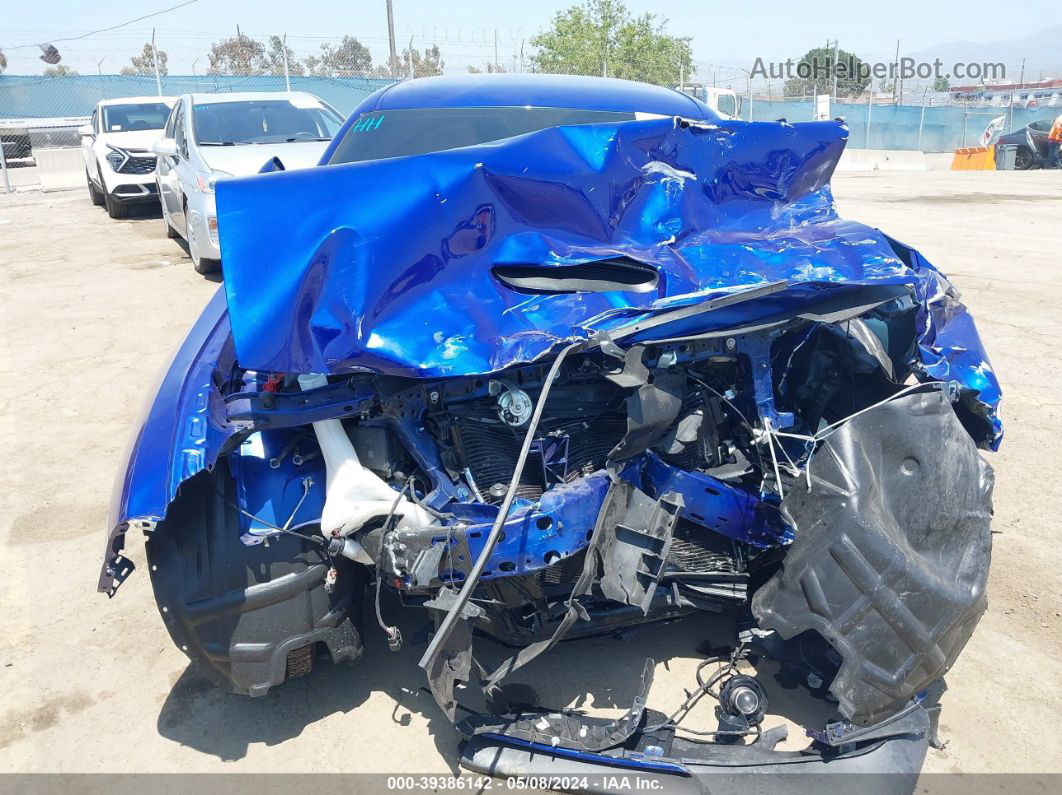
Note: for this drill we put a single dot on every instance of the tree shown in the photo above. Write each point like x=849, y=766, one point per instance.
x=240, y=55
x=941, y=84
x=350, y=59
x=602, y=38
x=3, y=62
x=59, y=71
x=814, y=74
x=490, y=68
x=275, y=56
x=144, y=64
x=424, y=65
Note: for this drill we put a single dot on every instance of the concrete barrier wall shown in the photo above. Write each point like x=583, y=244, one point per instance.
x=60, y=169
x=882, y=160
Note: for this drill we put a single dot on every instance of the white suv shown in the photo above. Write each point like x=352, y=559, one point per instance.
x=117, y=146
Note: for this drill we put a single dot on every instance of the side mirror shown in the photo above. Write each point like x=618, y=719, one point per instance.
x=167, y=147
x=85, y=129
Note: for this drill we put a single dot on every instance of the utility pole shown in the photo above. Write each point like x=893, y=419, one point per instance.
x=922, y=118
x=834, y=91
x=895, y=71
x=155, y=58
x=391, y=37
x=284, y=49
x=411, y=75
x=1010, y=105
x=496, y=48
x=870, y=105
x=521, y=56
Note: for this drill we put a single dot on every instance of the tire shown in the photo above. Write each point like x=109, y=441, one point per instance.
x=1023, y=159
x=201, y=264
x=171, y=233
x=95, y=196
x=115, y=209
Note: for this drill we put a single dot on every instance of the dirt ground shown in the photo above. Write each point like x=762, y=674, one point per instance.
x=90, y=308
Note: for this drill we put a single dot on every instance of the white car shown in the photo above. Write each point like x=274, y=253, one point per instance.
x=214, y=136
x=118, y=148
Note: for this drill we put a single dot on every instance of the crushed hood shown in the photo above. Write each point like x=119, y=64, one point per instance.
x=393, y=265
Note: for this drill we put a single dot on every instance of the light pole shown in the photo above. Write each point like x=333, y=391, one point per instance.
x=391, y=37
x=287, y=75
x=155, y=59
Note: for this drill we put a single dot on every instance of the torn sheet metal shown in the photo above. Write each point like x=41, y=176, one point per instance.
x=388, y=264
x=892, y=552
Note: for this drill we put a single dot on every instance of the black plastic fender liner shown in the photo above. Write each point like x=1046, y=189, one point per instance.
x=892, y=552
x=236, y=610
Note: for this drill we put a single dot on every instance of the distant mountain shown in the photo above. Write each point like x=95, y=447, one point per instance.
x=1041, y=50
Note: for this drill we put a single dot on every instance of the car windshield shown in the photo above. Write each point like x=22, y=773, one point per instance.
x=135, y=116
x=264, y=121
x=416, y=131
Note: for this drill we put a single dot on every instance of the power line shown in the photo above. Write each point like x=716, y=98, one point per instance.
x=113, y=27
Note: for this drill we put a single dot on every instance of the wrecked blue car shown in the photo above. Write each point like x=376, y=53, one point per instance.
x=553, y=356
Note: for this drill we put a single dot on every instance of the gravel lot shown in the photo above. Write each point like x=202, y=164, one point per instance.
x=92, y=307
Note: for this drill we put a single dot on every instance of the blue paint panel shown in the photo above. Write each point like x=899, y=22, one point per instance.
x=275, y=495
x=558, y=527
x=183, y=423
x=393, y=271
x=712, y=503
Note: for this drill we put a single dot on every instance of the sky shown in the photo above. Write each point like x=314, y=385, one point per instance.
x=724, y=34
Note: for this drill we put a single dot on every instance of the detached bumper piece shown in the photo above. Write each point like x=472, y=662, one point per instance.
x=550, y=751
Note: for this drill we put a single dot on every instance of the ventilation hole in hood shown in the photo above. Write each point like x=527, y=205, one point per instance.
x=600, y=276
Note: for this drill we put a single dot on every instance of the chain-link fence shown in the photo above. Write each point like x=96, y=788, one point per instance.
x=43, y=111
x=882, y=124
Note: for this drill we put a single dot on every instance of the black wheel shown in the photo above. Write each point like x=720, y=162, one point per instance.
x=94, y=195
x=1023, y=159
x=115, y=209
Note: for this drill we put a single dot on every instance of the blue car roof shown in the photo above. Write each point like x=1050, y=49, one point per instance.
x=537, y=90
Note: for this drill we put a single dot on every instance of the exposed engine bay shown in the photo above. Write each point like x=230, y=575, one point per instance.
x=648, y=481
x=788, y=434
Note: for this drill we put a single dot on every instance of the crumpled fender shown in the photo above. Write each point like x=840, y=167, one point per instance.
x=180, y=432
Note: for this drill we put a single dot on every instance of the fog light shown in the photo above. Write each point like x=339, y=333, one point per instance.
x=745, y=700
x=742, y=705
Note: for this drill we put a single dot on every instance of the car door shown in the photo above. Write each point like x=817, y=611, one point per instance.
x=164, y=168
x=1038, y=131
x=180, y=166
x=184, y=173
